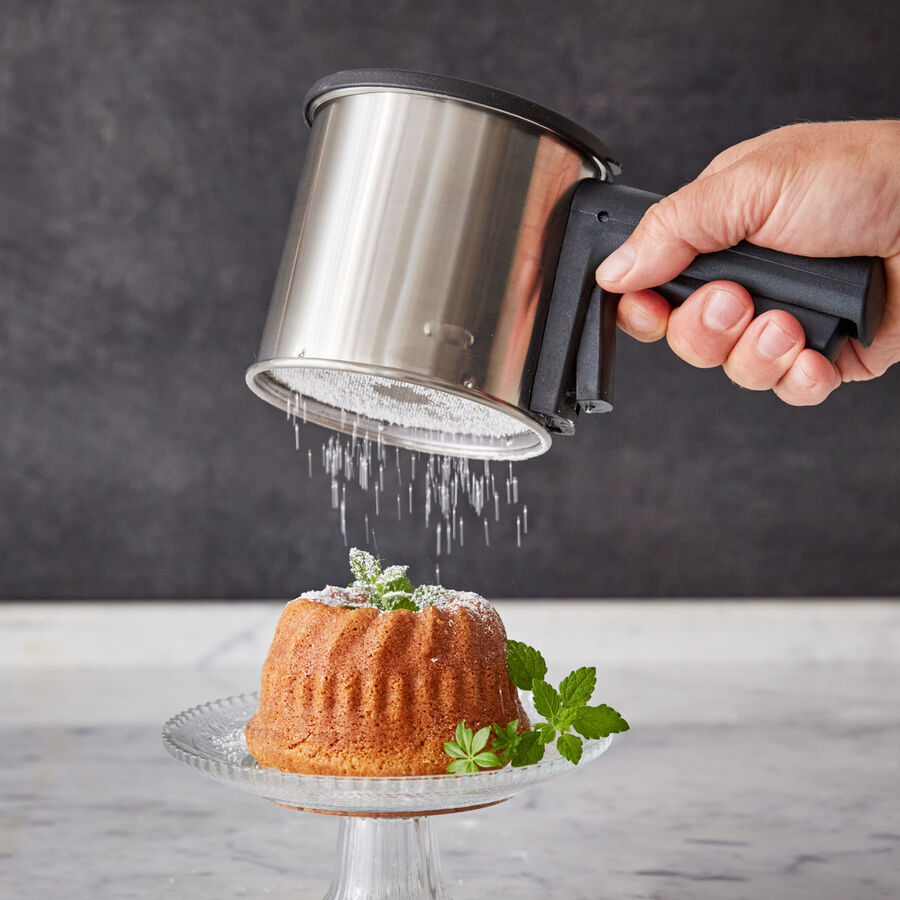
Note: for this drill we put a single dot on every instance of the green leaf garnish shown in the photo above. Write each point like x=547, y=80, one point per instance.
x=398, y=600
x=524, y=664
x=546, y=700
x=504, y=740
x=578, y=686
x=598, y=721
x=570, y=746
x=467, y=751
x=394, y=580
x=487, y=759
x=528, y=750
x=564, y=710
x=390, y=588
x=429, y=594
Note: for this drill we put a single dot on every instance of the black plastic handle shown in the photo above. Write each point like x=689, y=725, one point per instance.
x=833, y=299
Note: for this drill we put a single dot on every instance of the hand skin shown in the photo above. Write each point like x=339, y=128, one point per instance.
x=829, y=189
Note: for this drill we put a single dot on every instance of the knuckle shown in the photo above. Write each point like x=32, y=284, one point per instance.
x=656, y=221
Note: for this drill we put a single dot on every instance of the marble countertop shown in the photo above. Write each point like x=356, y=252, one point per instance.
x=762, y=762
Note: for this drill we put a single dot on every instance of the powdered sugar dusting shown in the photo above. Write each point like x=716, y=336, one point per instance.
x=437, y=596
x=339, y=596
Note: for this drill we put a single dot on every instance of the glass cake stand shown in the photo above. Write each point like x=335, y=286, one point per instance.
x=387, y=849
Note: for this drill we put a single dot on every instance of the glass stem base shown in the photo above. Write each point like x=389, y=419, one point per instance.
x=387, y=859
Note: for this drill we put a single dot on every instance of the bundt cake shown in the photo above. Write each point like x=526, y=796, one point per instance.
x=354, y=688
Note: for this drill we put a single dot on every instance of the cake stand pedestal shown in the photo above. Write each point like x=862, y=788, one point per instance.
x=387, y=859
x=387, y=848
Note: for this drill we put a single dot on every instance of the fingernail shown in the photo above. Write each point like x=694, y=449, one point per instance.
x=802, y=376
x=722, y=311
x=617, y=265
x=773, y=341
x=642, y=321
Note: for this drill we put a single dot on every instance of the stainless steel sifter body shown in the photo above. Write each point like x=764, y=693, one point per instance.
x=436, y=290
x=418, y=267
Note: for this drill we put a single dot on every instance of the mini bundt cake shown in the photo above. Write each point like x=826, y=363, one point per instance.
x=349, y=688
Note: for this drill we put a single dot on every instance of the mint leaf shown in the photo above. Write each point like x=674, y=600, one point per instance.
x=399, y=585
x=598, y=721
x=578, y=686
x=451, y=748
x=504, y=740
x=393, y=578
x=467, y=753
x=429, y=594
x=365, y=568
x=546, y=731
x=398, y=600
x=479, y=742
x=528, y=750
x=546, y=700
x=488, y=759
x=524, y=664
x=509, y=732
x=570, y=747
x=464, y=737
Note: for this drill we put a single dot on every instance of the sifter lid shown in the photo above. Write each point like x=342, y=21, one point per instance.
x=355, y=81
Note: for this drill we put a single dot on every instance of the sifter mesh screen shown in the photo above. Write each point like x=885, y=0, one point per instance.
x=408, y=414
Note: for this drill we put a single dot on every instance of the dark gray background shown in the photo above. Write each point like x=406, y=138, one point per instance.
x=149, y=153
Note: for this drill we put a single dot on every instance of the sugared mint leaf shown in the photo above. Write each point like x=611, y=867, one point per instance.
x=398, y=600
x=570, y=746
x=524, y=664
x=365, y=568
x=598, y=721
x=528, y=750
x=577, y=687
x=429, y=594
x=393, y=578
x=546, y=700
x=401, y=585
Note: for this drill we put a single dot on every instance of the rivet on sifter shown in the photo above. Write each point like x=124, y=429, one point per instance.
x=470, y=384
x=446, y=333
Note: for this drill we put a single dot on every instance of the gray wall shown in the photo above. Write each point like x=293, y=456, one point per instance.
x=149, y=153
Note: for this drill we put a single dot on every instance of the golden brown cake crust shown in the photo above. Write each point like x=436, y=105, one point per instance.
x=358, y=691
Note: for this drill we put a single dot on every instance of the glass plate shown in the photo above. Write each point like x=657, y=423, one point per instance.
x=210, y=738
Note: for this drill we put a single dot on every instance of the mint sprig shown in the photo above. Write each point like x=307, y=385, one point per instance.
x=467, y=751
x=564, y=710
x=505, y=740
x=390, y=588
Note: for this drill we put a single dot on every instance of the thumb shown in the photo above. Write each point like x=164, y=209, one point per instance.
x=715, y=211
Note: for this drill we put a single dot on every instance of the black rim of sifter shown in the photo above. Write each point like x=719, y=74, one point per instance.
x=459, y=89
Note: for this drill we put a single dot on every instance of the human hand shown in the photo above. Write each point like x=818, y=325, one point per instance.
x=822, y=190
